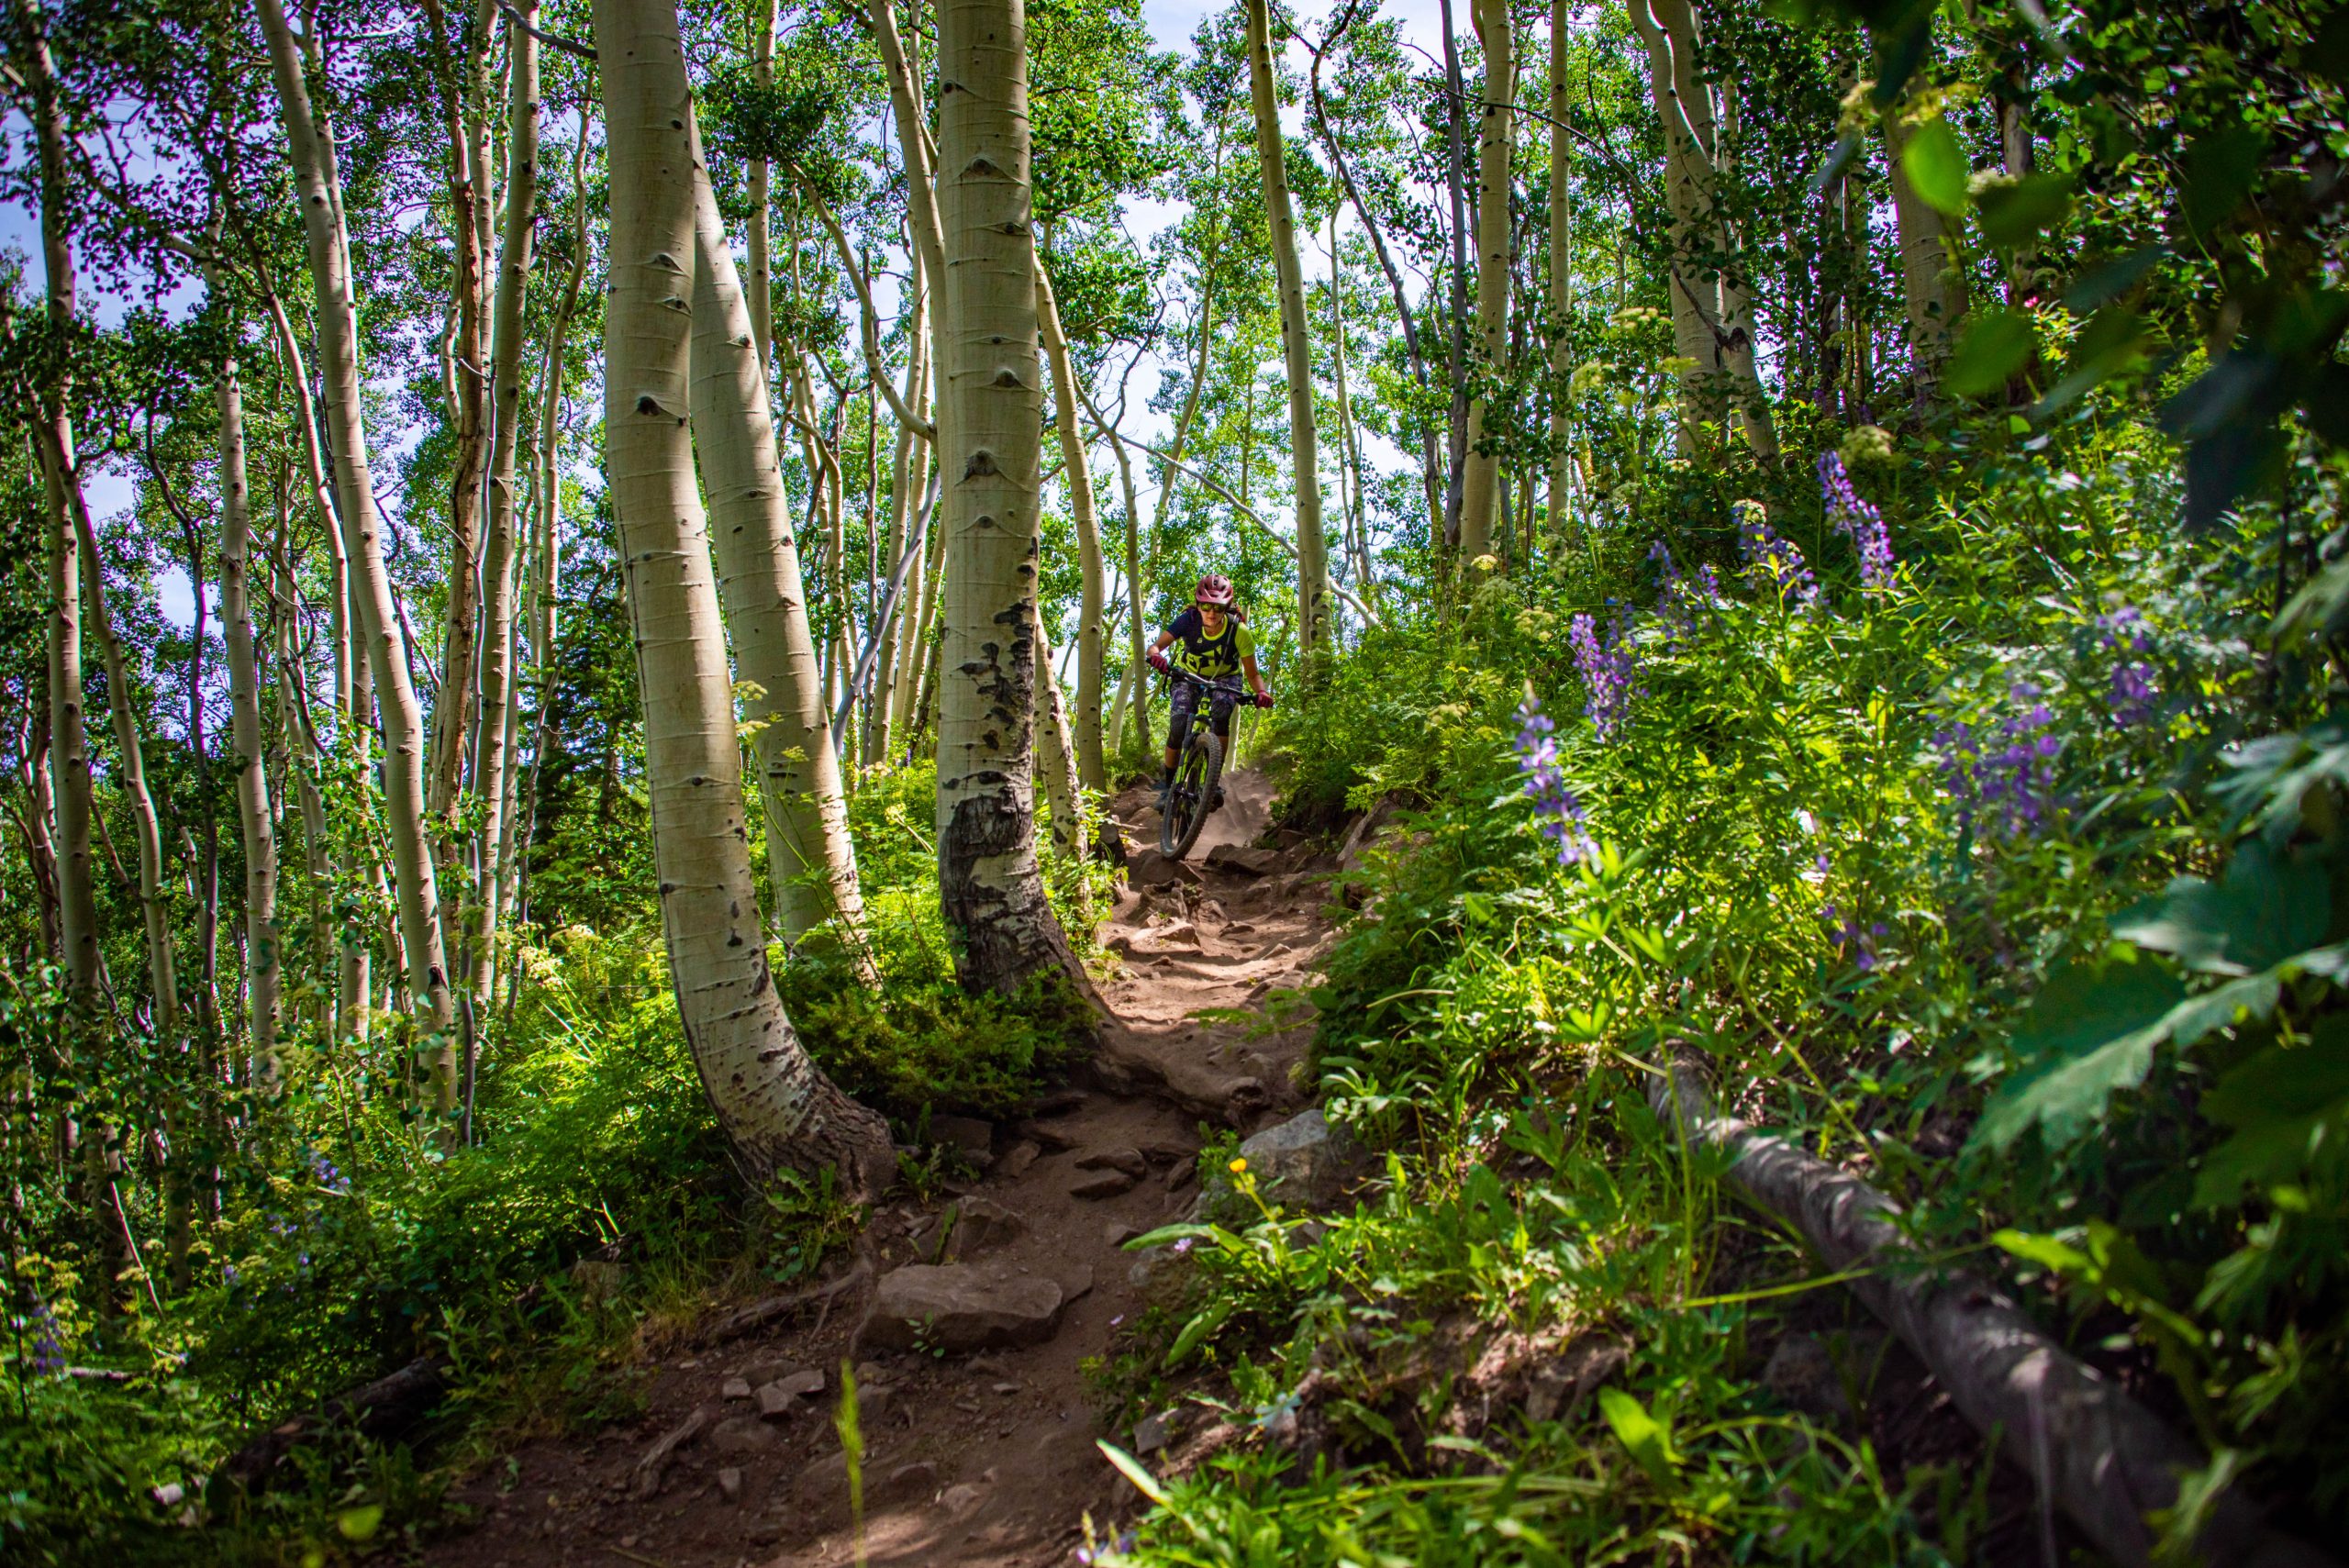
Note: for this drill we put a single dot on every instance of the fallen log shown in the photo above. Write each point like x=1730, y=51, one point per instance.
x=2104, y=1459
x=382, y=1410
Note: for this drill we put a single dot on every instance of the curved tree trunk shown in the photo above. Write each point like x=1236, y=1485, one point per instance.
x=1297, y=347
x=318, y=187
x=809, y=858
x=991, y=440
x=776, y=1106
x=1093, y=592
x=1495, y=126
x=1063, y=790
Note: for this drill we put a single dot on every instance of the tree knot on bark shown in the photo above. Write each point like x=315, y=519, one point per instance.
x=1007, y=376
x=981, y=465
x=648, y=405
x=1014, y=228
x=666, y=263
x=984, y=168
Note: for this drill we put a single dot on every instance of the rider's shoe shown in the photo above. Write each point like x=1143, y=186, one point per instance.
x=1215, y=801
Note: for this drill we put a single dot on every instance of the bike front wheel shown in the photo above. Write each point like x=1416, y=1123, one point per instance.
x=1191, y=799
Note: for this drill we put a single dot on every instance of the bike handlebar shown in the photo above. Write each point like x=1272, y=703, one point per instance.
x=1230, y=685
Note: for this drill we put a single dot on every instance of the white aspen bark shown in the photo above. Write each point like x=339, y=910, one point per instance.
x=917, y=663
x=264, y=972
x=301, y=756
x=1063, y=789
x=909, y=473
x=1496, y=122
x=1313, y=631
x=1932, y=287
x=1711, y=318
x=1093, y=597
x=492, y=739
x=1357, y=528
x=547, y=563
x=992, y=437
x=1130, y=681
x=319, y=189
x=777, y=1108
x=1561, y=277
x=758, y=287
x=809, y=858
x=472, y=224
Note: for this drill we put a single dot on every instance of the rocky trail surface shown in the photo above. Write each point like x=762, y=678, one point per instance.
x=968, y=1319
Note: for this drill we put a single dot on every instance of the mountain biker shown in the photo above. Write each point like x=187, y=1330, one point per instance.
x=1211, y=641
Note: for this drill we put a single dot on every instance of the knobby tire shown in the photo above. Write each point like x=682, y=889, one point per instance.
x=1204, y=747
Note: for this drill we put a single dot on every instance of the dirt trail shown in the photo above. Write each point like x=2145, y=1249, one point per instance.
x=983, y=1460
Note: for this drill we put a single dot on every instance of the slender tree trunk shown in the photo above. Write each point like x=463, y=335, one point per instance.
x=776, y=1106
x=1094, y=593
x=1496, y=121
x=263, y=961
x=1349, y=438
x=1933, y=285
x=758, y=287
x=992, y=437
x=1063, y=789
x=1562, y=276
x=809, y=858
x=547, y=565
x=466, y=377
x=493, y=740
x=909, y=472
x=1296, y=348
x=319, y=191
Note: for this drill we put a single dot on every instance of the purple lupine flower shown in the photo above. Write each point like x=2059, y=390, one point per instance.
x=1605, y=665
x=2132, y=693
x=1858, y=519
x=2008, y=773
x=321, y=1167
x=1559, y=814
x=1774, y=562
x=1676, y=601
x=49, y=1352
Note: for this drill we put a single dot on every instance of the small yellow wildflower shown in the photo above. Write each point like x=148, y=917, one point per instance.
x=1238, y=1166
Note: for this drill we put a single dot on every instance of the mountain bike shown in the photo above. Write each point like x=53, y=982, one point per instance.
x=1192, y=798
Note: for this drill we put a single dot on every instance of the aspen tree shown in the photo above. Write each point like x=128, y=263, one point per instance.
x=774, y=1105
x=492, y=740
x=1562, y=275
x=319, y=188
x=1093, y=591
x=991, y=441
x=809, y=858
x=1496, y=132
x=1711, y=318
x=1932, y=288
x=264, y=950
x=1296, y=344
x=546, y=526
x=465, y=89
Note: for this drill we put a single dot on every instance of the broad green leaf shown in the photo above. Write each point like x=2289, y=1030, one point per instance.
x=2091, y=1030
x=1936, y=166
x=2284, y=1105
x=1648, y=1440
x=1995, y=344
x=2267, y=907
x=1197, y=1329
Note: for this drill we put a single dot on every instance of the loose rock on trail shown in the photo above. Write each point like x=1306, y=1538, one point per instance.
x=967, y=1343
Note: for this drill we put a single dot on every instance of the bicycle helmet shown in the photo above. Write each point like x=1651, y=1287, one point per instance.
x=1214, y=589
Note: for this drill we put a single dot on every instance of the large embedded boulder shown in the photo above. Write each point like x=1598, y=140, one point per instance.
x=955, y=1310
